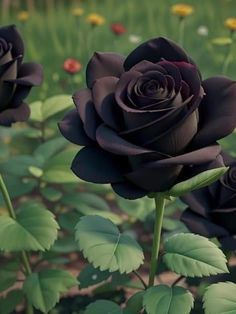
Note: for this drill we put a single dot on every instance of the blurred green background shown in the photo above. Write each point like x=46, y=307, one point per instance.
x=53, y=33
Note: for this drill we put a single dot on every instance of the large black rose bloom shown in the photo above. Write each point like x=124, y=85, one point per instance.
x=212, y=209
x=16, y=78
x=141, y=119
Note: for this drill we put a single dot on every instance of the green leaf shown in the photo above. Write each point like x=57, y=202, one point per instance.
x=85, y=199
x=51, y=194
x=19, y=186
x=220, y=298
x=11, y=166
x=57, y=169
x=8, y=275
x=46, y=150
x=34, y=229
x=197, y=182
x=135, y=303
x=35, y=171
x=103, y=307
x=105, y=247
x=56, y=104
x=9, y=303
x=43, y=289
x=167, y=300
x=222, y=41
x=192, y=255
x=41, y=111
x=65, y=245
x=90, y=276
x=138, y=209
x=36, y=111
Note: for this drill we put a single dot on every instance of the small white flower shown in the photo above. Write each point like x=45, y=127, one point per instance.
x=203, y=30
x=135, y=39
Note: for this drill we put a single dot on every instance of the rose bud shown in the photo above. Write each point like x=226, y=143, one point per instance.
x=72, y=66
x=144, y=117
x=212, y=209
x=16, y=78
x=118, y=28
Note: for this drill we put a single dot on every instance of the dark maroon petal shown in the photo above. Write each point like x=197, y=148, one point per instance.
x=104, y=64
x=19, y=114
x=177, y=137
x=128, y=190
x=7, y=57
x=87, y=112
x=173, y=71
x=202, y=226
x=104, y=101
x=20, y=93
x=228, y=243
x=154, y=50
x=198, y=201
x=217, y=111
x=145, y=66
x=225, y=217
x=154, y=179
x=29, y=74
x=71, y=128
x=190, y=75
x=92, y=164
x=197, y=157
x=11, y=35
x=112, y=142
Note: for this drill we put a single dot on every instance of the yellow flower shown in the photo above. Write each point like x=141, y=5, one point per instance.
x=23, y=16
x=230, y=23
x=95, y=19
x=77, y=12
x=182, y=10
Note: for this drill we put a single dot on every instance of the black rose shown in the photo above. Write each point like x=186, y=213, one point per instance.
x=141, y=119
x=16, y=78
x=212, y=210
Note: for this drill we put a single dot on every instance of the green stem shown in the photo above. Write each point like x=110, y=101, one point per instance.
x=181, y=30
x=160, y=205
x=25, y=260
x=227, y=58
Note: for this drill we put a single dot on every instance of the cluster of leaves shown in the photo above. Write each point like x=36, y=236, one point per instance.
x=56, y=215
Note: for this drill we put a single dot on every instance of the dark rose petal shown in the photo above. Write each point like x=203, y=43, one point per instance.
x=104, y=64
x=228, y=243
x=197, y=157
x=87, y=112
x=217, y=111
x=154, y=50
x=199, y=201
x=104, y=101
x=7, y=57
x=173, y=71
x=11, y=35
x=145, y=66
x=154, y=179
x=93, y=164
x=128, y=190
x=175, y=139
x=29, y=74
x=225, y=217
x=111, y=142
x=202, y=226
x=189, y=74
x=19, y=114
x=7, y=71
x=71, y=128
x=20, y=93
